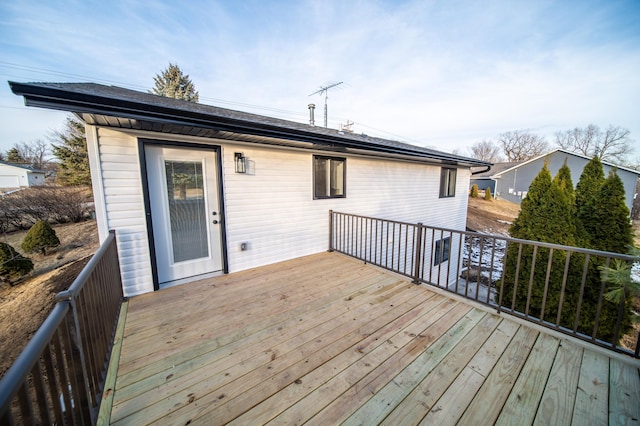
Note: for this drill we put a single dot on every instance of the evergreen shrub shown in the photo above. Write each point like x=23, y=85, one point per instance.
x=40, y=237
x=12, y=264
x=487, y=194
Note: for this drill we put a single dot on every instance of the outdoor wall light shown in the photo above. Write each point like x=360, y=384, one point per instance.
x=241, y=162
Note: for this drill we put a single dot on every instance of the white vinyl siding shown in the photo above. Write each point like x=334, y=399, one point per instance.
x=123, y=206
x=19, y=177
x=271, y=208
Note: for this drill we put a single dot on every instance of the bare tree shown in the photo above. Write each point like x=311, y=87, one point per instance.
x=522, y=145
x=33, y=154
x=486, y=151
x=612, y=145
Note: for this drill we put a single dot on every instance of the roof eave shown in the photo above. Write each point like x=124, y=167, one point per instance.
x=65, y=100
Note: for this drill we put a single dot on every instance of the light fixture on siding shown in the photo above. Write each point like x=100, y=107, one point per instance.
x=241, y=162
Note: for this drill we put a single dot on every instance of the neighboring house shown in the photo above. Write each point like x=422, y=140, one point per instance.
x=19, y=176
x=484, y=179
x=194, y=190
x=511, y=181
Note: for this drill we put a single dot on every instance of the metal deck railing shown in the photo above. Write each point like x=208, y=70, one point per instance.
x=558, y=287
x=59, y=377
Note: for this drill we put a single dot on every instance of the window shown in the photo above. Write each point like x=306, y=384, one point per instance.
x=443, y=249
x=329, y=177
x=447, y=182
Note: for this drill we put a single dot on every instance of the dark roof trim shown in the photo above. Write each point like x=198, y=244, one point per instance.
x=90, y=98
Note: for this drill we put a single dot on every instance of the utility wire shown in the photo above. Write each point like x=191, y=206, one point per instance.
x=274, y=112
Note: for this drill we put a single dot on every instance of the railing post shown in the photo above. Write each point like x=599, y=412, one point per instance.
x=330, y=230
x=418, y=255
x=77, y=338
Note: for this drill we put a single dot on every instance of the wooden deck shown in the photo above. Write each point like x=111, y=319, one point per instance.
x=325, y=340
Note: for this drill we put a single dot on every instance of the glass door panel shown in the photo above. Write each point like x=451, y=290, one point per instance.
x=187, y=210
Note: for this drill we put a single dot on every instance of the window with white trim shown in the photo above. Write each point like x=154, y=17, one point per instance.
x=329, y=177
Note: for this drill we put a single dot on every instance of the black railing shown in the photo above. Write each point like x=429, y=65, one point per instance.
x=59, y=377
x=558, y=287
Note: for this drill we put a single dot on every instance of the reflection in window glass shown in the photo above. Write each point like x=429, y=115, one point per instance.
x=442, y=251
x=447, y=182
x=329, y=177
x=187, y=210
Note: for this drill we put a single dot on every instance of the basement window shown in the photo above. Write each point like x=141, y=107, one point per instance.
x=447, y=182
x=443, y=250
x=329, y=177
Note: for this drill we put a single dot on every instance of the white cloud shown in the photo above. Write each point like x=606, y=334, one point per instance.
x=443, y=74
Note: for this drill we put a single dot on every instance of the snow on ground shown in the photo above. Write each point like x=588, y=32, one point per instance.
x=485, y=253
x=471, y=291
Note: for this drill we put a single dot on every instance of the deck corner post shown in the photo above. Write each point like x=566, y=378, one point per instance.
x=330, y=231
x=418, y=254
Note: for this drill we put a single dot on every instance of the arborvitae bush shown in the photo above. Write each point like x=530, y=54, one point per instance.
x=587, y=190
x=487, y=194
x=547, y=214
x=602, y=224
x=474, y=191
x=12, y=264
x=614, y=232
x=40, y=237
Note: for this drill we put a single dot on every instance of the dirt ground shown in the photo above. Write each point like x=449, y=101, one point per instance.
x=491, y=217
x=24, y=306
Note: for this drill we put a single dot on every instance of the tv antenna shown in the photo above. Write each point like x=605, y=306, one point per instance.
x=325, y=90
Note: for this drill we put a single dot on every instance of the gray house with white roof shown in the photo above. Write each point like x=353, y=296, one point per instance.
x=511, y=181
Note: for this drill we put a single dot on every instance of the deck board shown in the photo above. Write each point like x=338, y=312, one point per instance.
x=325, y=339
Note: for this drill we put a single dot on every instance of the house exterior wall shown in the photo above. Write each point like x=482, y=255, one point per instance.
x=512, y=185
x=483, y=184
x=271, y=207
x=17, y=177
x=35, y=178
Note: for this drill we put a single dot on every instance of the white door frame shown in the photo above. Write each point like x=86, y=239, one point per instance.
x=150, y=214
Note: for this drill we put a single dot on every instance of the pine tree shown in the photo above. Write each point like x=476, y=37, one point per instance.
x=172, y=83
x=72, y=154
x=14, y=156
x=40, y=237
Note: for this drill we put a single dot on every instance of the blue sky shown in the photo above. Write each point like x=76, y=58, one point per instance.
x=443, y=74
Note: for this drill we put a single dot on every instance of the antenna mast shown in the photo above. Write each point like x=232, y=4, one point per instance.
x=325, y=90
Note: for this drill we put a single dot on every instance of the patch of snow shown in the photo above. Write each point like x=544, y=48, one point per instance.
x=469, y=289
x=485, y=253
